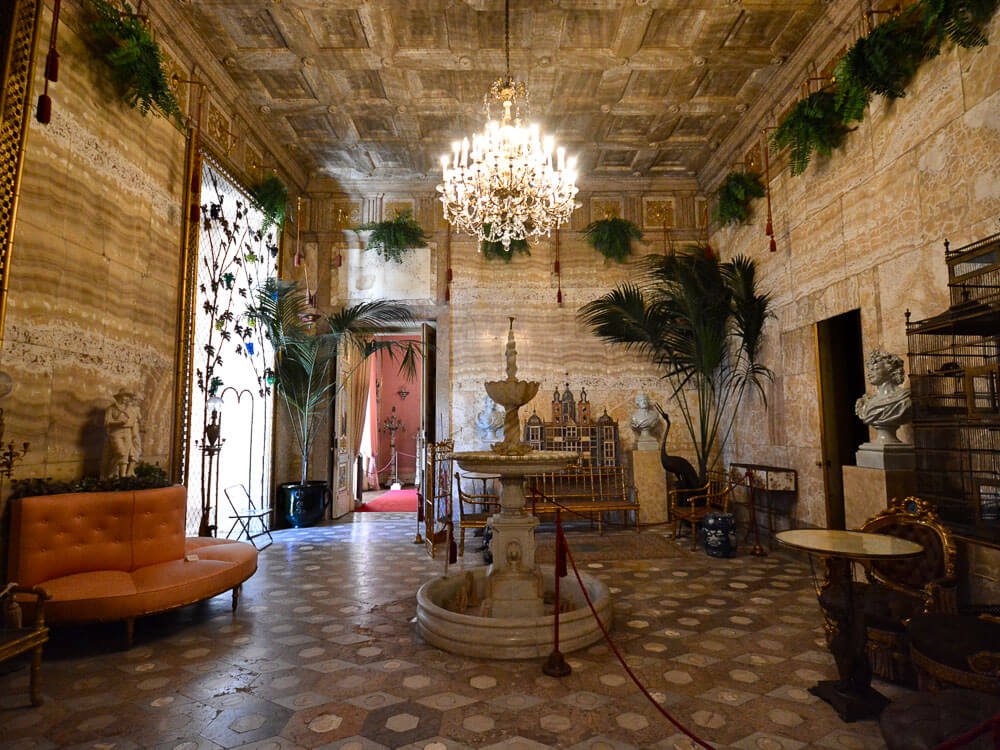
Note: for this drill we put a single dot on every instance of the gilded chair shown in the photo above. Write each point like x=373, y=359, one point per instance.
x=693, y=505
x=474, y=510
x=899, y=590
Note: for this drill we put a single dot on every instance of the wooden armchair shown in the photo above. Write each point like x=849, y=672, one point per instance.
x=473, y=511
x=693, y=505
x=899, y=590
x=17, y=638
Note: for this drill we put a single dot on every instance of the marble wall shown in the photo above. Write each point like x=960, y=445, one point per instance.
x=864, y=230
x=93, y=298
x=92, y=306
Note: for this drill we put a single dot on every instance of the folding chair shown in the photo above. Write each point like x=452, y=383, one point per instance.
x=246, y=519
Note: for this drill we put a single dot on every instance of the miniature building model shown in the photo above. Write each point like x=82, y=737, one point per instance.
x=573, y=429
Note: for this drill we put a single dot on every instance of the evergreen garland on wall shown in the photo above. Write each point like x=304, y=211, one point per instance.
x=135, y=59
x=884, y=62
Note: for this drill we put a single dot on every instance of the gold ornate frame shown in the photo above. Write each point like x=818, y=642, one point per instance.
x=24, y=17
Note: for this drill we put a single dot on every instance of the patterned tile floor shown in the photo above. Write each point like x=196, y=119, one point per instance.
x=322, y=653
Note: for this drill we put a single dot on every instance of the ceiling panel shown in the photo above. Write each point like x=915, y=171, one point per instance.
x=380, y=87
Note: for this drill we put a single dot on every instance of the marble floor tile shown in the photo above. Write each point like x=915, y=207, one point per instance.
x=323, y=653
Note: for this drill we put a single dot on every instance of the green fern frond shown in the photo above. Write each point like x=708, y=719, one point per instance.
x=734, y=196
x=612, y=237
x=813, y=124
x=391, y=239
x=496, y=251
x=884, y=61
x=272, y=197
x=962, y=21
x=850, y=95
x=135, y=59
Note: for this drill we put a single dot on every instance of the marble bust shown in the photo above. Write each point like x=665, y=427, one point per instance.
x=644, y=421
x=890, y=406
x=489, y=422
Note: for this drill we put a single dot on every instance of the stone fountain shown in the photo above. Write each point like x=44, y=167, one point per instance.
x=502, y=610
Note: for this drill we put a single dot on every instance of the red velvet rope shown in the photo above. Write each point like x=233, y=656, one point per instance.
x=607, y=637
x=964, y=739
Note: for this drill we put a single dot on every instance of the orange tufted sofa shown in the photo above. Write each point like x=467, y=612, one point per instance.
x=107, y=556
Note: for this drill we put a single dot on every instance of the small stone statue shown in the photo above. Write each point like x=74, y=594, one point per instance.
x=124, y=448
x=890, y=406
x=644, y=422
x=489, y=422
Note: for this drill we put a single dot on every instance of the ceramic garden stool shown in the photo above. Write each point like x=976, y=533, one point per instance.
x=720, y=534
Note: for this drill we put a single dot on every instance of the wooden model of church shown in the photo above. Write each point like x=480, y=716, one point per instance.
x=573, y=429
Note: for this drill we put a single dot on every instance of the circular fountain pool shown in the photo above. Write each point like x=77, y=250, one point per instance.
x=450, y=616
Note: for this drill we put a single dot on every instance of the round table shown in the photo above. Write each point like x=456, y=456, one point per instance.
x=852, y=695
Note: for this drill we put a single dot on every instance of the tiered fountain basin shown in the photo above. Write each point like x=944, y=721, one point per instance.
x=506, y=610
x=471, y=634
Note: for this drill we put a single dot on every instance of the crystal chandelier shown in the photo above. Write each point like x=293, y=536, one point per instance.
x=510, y=182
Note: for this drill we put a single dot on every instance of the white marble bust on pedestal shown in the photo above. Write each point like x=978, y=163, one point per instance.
x=885, y=410
x=644, y=422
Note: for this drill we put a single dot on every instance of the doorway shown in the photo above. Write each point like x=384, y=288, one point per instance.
x=399, y=415
x=840, y=365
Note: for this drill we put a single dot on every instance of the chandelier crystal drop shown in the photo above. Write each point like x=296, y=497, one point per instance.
x=510, y=182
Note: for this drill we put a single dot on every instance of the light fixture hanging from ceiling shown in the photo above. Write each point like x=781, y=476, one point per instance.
x=510, y=182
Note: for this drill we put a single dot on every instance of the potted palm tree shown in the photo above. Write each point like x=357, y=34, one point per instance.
x=305, y=353
x=701, y=322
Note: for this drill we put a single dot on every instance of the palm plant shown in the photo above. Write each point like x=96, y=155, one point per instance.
x=304, y=359
x=701, y=322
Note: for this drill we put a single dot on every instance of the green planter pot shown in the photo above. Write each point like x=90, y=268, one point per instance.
x=303, y=504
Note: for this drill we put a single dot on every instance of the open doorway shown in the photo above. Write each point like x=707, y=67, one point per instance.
x=841, y=383
x=395, y=418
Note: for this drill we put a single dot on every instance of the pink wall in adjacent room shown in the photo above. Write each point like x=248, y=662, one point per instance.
x=407, y=410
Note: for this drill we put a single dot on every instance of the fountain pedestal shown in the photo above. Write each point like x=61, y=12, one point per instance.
x=500, y=610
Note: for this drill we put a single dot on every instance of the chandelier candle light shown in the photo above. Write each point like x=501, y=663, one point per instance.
x=510, y=182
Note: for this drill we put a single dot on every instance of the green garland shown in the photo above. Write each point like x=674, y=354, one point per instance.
x=612, y=237
x=962, y=21
x=496, y=251
x=135, y=59
x=391, y=239
x=734, y=196
x=272, y=197
x=814, y=124
x=884, y=62
x=147, y=477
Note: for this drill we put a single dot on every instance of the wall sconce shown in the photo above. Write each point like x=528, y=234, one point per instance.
x=402, y=393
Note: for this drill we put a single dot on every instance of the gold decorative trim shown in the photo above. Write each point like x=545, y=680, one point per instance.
x=15, y=109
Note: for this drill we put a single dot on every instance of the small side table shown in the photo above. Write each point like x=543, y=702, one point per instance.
x=852, y=696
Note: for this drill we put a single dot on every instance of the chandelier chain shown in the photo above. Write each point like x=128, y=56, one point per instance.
x=506, y=34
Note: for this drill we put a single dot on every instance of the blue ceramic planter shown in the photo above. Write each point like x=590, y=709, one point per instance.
x=303, y=504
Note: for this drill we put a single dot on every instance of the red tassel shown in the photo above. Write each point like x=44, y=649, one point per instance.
x=338, y=260
x=297, y=259
x=449, y=274
x=447, y=294
x=769, y=229
x=52, y=66
x=774, y=246
x=44, y=112
x=559, y=296
x=556, y=267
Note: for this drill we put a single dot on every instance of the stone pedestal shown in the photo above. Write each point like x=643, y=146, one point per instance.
x=867, y=491
x=650, y=485
x=888, y=456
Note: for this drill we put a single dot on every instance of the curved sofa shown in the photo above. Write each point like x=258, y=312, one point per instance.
x=108, y=556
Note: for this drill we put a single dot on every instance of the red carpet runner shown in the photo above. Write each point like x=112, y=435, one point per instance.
x=393, y=501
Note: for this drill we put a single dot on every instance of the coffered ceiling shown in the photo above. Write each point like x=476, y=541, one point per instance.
x=380, y=88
